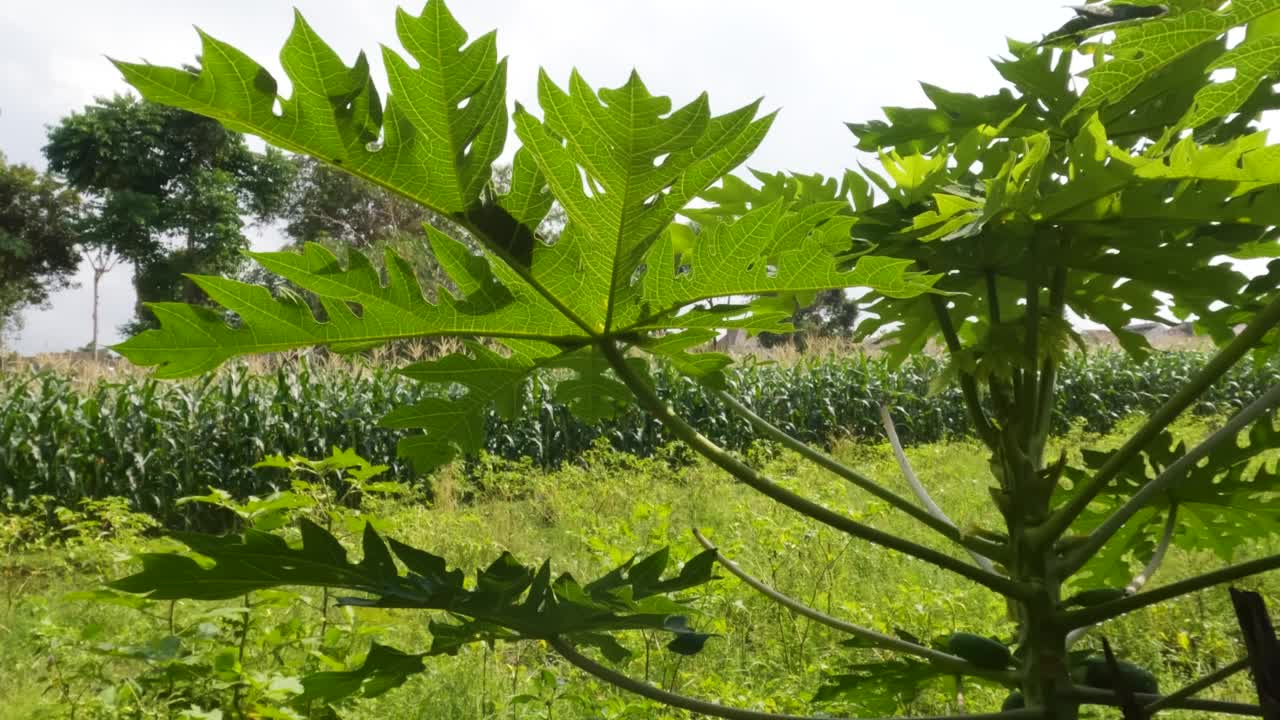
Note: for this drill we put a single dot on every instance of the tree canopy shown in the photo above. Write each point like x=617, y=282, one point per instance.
x=169, y=190
x=38, y=239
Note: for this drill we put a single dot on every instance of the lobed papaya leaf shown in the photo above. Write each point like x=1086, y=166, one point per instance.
x=1223, y=502
x=507, y=600
x=1141, y=49
x=383, y=669
x=623, y=163
x=880, y=688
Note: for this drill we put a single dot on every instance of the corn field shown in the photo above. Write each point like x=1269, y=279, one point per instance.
x=154, y=442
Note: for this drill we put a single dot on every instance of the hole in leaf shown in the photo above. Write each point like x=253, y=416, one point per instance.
x=277, y=108
x=638, y=273
x=463, y=104
x=1222, y=75
x=374, y=146
x=771, y=271
x=588, y=184
x=657, y=161
x=1235, y=36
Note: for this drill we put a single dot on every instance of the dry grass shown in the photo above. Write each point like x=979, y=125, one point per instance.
x=110, y=367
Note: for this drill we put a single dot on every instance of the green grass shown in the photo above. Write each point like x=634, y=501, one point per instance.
x=588, y=516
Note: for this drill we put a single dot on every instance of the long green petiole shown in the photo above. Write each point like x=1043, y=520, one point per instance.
x=1116, y=608
x=1224, y=360
x=1167, y=479
x=649, y=400
x=821, y=459
x=888, y=642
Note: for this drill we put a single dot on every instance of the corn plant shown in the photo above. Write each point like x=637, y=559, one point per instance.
x=133, y=437
x=1003, y=213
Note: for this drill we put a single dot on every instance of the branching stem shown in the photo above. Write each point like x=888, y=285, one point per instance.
x=678, y=426
x=1116, y=608
x=943, y=527
x=888, y=642
x=1171, y=475
x=1224, y=360
x=1049, y=372
x=917, y=487
x=1207, y=681
x=1030, y=396
x=704, y=707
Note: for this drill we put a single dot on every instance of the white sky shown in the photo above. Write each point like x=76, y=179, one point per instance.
x=823, y=62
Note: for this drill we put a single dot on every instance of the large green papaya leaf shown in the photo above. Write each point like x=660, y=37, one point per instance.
x=425, y=143
x=505, y=601
x=627, y=269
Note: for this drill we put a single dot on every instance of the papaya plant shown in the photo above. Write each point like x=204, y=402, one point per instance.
x=994, y=221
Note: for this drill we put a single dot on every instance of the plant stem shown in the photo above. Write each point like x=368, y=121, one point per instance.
x=1000, y=396
x=1171, y=475
x=1148, y=570
x=653, y=404
x=968, y=386
x=704, y=707
x=1029, y=408
x=1223, y=361
x=891, y=431
x=1116, y=608
x=1157, y=557
x=1207, y=681
x=944, y=660
x=244, y=641
x=1045, y=398
x=943, y=527
x=1096, y=696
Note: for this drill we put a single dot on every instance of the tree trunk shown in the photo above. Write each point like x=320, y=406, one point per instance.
x=98, y=272
x=190, y=293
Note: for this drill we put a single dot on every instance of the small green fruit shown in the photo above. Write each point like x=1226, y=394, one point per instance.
x=1098, y=674
x=983, y=652
x=1096, y=597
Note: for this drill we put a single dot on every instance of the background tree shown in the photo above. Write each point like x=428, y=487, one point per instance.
x=169, y=190
x=341, y=211
x=102, y=260
x=38, y=251
x=832, y=314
